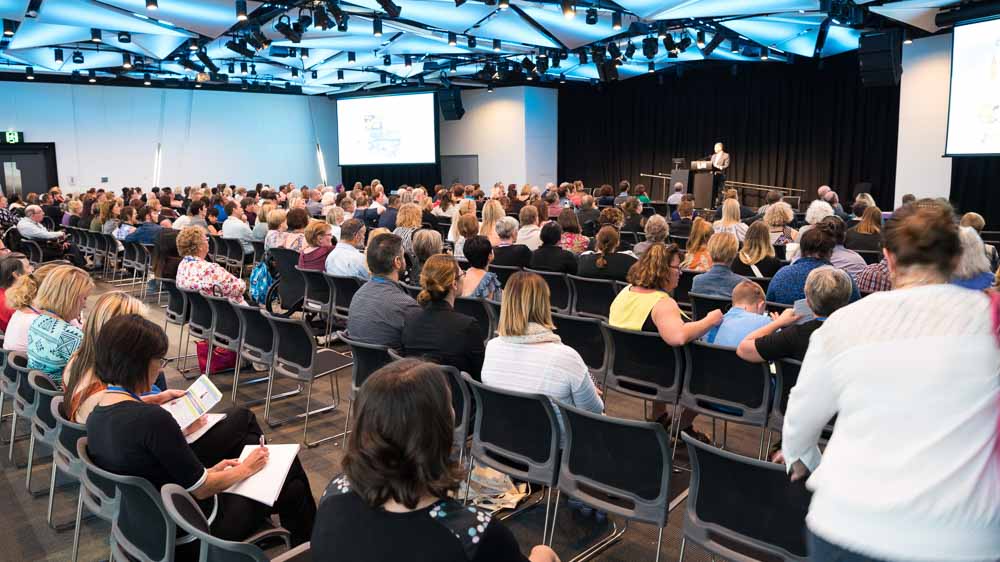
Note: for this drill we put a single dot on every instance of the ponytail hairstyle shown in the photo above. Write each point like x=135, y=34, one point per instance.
x=22, y=292
x=437, y=278
x=607, y=243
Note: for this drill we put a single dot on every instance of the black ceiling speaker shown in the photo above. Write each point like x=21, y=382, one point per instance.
x=880, y=58
x=450, y=101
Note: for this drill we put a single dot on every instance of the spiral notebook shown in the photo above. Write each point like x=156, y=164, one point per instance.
x=265, y=486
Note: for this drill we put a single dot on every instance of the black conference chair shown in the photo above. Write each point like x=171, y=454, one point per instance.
x=258, y=250
x=24, y=400
x=289, y=287
x=560, y=292
x=184, y=512
x=764, y=282
x=100, y=495
x=592, y=297
x=8, y=387
x=65, y=460
x=412, y=290
x=684, y=287
x=236, y=258
x=227, y=334
x=721, y=385
x=15, y=365
x=44, y=429
x=297, y=356
x=786, y=375
x=701, y=304
x=517, y=434
x=200, y=322
x=681, y=241
x=618, y=466
x=776, y=306
x=343, y=289
x=743, y=509
x=481, y=311
x=642, y=365
x=368, y=358
x=503, y=272
x=869, y=256
x=318, y=299
x=779, y=251
x=176, y=313
x=585, y=336
x=257, y=337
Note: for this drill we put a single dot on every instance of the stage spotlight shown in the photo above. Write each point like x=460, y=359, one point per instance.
x=126, y=60
x=315, y=75
x=321, y=18
x=33, y=7
x=583, y=56
x=29, y=73
x=295, y=72
x=453, y=67
x=503, y=4
x=147, y=80
x=614, y=50
x=245, y=85
x=734, y=45
x=197, y=84
x=92, y=76
x=562, y=78
x=684, y=43
x=342, y=24
x=652, y=67
x=152, y=5
x=489, y=88
x=672, y=54
x=303, y=53
x=253, y=70
x=390, y=8
x=95, y=35
x=650, y=46
x=496, y=44
x=78, y=57
x=471, y=42
x=701, y=40
x=383, y=78
x=59, y=56
x=9, y=28
x=284, y=27
x=207, y=61
x=304, y=21
x=241, y=10
x=75, y=75
x=407, y=61
x=377, y=26
x=556, y=62
x=668, y=43
x=124, y=37
x=243, y=68
x=591, y=18
x=232, y=68
x=616, y=21
x=239, y=48
x=630, y=50
x=661, y=31
x=568, y=9
x=254, y=42
x=907, y=37
x=264, y=41
x=765, y=53
x=452, y=38
x=542, y=66
x=527, y=64
x=192, y=45
x=386, y=60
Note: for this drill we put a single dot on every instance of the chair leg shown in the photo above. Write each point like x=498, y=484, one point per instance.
x=769, y=435
x=236, y=374
x=76, y=528
x=555, y=511
x=267, y=398
x=683, y=544
x=13, y=428
x=659, y=545
x=305, y=428
x=725, y=433
x=548, y=504
x=762, y=450
x=208, y=359
x=347, y=424
x=468, y=480
x=31, y=459
x=52, y=493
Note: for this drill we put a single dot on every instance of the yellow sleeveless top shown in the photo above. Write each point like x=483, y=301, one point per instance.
x=630, y=309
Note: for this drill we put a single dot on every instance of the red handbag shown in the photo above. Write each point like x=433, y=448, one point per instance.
x=222, y=359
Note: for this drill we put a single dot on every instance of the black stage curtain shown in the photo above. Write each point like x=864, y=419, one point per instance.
x=392, y=175
x=974, y=187
x=792, y=125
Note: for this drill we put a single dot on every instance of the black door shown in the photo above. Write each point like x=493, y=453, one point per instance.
x=28, y=168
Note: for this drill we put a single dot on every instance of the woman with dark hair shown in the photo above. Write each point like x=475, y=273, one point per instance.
x=129, y=437
x=550, y=256
x=477, y=281
x=926, y=343
x=606, y=262
x=392, y=502
x=295, y=238
x=572, y=240
x=606, y=196
x=436, y=332
x=816, y=246
x=634, y=221
x=12, y=266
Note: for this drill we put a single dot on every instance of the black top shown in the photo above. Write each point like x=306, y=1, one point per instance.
x=864, y=242
x=53, y=212
x=633, y=223
x=606, y=200
x=625, y=242
x=681, y=228
x=553, y=258
x=445, y=337
x=347, y=528
x=515, y=206
x=787, y=343
x=428, y=217
x=515, y=255
x=138, y=439
x=616, y=268
x=745, y=212
x=587, y=215
x=74, y=221
x=767, y=266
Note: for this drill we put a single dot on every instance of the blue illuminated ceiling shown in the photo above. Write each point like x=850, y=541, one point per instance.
x=432, y=41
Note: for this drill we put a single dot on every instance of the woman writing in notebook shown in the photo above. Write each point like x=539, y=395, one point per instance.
x=129, y=437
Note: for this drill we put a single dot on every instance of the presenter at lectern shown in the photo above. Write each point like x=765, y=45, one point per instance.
x=720, y=163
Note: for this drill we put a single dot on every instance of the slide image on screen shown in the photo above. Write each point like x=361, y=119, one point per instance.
x=387, y=129
x=974, y=104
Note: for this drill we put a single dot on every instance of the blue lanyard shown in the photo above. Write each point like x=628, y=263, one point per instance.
x=116, y=388
x=380, y=279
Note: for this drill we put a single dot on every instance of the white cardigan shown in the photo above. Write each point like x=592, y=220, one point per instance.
x=912, y=471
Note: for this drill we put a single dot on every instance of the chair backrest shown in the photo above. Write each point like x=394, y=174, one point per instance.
x=478, y=309
x=317, y=296
x=624, y=459
x=461, y=402
x=560, y=293
x=258, y=250
x=186, y=514
x=593, y=297
x=141, y=528
x=786, y=375
x=255, y=332
x=343, y=291
x=25, y=397
x=225, y=323
x=504, y=272
x=177, y=306
x=234, y=251
x=200, y=314
x=735, y=501
x=516, y=433
x=67, y=434
x=684, y=287
x=776, y=306
x=292, y=288
x=701, y=304
x=869, y=256
x=779, y=251
x=412, y=290
x=368, y=358
x=294, y=346
x=585, y=336
x=681, y=241
x=99, y=493
x=716, y=376
x=641, y=364
x=764, y=282
x=43, y=424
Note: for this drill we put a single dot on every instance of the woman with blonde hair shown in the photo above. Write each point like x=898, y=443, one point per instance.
x=409, y=219
x=275, y=229
x=492, y=212
x=867, y=234
x=777, y=218
x=730, y=221
x=55, y=333
x=436, y=332
x=467, y=227
x=336, y=217
x=529, y=357
x=697, y=257
x=260, y=227
x=973, y=270
x=757, y=259
x=20, y=297
x=72, y=215
x=465, y=207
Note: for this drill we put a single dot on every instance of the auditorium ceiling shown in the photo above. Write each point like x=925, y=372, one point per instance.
x=331, y=46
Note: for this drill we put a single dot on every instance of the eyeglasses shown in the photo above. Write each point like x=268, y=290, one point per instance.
x=163, y=363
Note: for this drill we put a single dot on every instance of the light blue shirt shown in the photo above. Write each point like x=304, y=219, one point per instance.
x=239, y=230
x=347, y=261
x=736, y=325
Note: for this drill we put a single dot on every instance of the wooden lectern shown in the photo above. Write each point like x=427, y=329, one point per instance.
x=701, y=183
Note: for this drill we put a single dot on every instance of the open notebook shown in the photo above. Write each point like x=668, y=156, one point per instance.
x=199, y=398
x=266, y=484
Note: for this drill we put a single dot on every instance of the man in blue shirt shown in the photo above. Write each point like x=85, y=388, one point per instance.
x=147, y=231
x=719, y=280
x=346, y=259
x=746, y=315
x=816, y=246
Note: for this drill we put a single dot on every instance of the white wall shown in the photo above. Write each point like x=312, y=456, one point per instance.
x=923, y=119
x=512, y=131
x=240, y=138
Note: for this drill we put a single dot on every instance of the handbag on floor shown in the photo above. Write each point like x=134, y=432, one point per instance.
x=222, y=359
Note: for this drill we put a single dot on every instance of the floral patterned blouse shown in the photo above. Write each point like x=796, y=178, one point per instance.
x=576, y=243
x=196, y=274
x=698, y=261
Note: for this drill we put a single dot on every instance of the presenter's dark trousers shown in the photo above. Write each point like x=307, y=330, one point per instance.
x=718, y=184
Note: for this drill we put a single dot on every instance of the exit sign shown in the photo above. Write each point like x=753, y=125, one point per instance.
x=12, y=137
